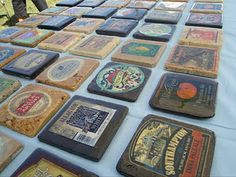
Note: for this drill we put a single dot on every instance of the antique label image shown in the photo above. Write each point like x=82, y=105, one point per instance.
x=207, y=6
x=203, y=34
x=155, y=30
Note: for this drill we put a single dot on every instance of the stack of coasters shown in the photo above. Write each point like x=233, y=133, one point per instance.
x=207, y=8
x=141, y=4
x=32, y=21
x=100, y=12
x=186, y=94
x=194, y=60
x=31, y=108
x=156, y=32
x=60, y=41
x=53, y=11
x=30, y=64
x=202, y=37
x=10, y=33
x=117, y=27
x=120, y=81
x=68, y=72
x=115, y=3
x=165, y=147
x=140, y=52
x=85, y=126
x=7, y=54
x=10, y=148
x=84, y=25
x=76, y=11
x=91, y=3
x=42, y=163
x=7, y=87
x=31, y=38
x=95, y=46
x=205, y=20
x=128, y=13
x=175, y=6
x=57, y=22
x=161, y=16
x=68, y=3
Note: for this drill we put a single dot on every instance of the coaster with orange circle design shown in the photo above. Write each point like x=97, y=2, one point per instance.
x=185, y=94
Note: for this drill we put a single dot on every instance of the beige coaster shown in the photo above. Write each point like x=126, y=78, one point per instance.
x=176, y=6
x=68, y=72
x=29, y=110
x=33, y=21
x=116, y=3
x=76, y=11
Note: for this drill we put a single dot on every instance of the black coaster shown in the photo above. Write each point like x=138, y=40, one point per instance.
x=205, y=20
x=165, y=147
x=191, y=95
x=121, y=81
x=85, y=127
x=30, y=64
x=117, y=27
x=69, y=3
x=100, y=12
x=128, y=13
x=57, y=22
x=161, y=16
x=42, y=163
x=91, y=3
x=155, y=32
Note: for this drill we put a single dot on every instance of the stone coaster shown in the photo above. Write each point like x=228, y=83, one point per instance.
x=91, y=3
x=31, y=108
x=186, y=94
x=100, y=12
x=68, y=3
x=10, y=33
x=95, y=46
x=32, y=21
x=207, y=8
x=85, y=126
x=116, y=3
x=68, y=72
x=194, y=60
x=76, y=11
x=128, y=13
x=120, y=81
x=165, y=147
x=141, y=4
x=175, y=6
x=140, y=52
x=53, y=11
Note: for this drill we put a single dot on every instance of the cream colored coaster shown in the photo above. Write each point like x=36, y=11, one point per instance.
x=53, y=11
x=68, y=72
x=31, y=108
x=116, y=3
x=207, y=7
x=176, y=6
x=61, y=41
x=33, y=21
x=76, y=11
x=140, y=52
x=96, y=46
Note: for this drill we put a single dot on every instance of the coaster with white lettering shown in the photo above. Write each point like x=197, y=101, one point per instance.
x=207, y=8
x=32, y=21
x=76, y=11
x=141, y=4
x=100, y=12
x=53, y=11
x=128, y=13
x=6, y=35
x=115, y=3
x=90, y=3
x=68, y=3
x=175, y=6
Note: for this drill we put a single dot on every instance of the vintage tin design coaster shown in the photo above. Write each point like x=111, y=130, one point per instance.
x=32, y=21
x=76, y=11
x=175, y=6
x=128, y=13
x=165, y=147
x=207, y=8
x=186, y=94
x=91, y=3
x=141, y=4
x=68, y=3
x=53, y=11
x=115, y=3
x=6, y=35
x=100, y=12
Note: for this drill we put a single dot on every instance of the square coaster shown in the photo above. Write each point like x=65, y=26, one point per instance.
x=41, y=162
x=57, y=22
x=207, y=8
x=31, y=38
x=68, y=72
x=161, y=16
x=115, y=3
x=91, y=3
x=61, y=41
x=100, y=12
x=32, y=21
x=8, y=86
x=10, y=148
x=6, y=35
x=205, y=20
x=7, y=54
x=128, y=13
x=92, y=125
x=155, y=32
x=140, y=52
x=141, y=4
x=53, y=11
x=166, y=147
x=30, y=64
x=120, y=81
x=194, y=60
x=212, y=1
x=117, y=27
x=31, y=108
x=76, y=11
x=202, y=37
x=68, y=3
x=190, y=95
x=84, y=25
x=175, y=6
x=95, y=46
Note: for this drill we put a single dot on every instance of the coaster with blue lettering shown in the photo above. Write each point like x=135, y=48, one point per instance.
x=100, y=12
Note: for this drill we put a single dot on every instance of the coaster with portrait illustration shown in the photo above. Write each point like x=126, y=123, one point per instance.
x=129, y=13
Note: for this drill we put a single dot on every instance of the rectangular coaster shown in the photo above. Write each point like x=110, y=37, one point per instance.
x=141, y=4
x=76, y=11
x=207, y=8
x=30, y=64
x=33, y=21
x=116, y=3
x=190, y=95
x=194, y=60
x=166, y=147
x=68, y=3
x=68, y=72
x=140, y=52
x=91, y=3
x=84, y=25
x=10, y=148
x=155, y=32
x=8, y=86
x=120, y=81
x=61, y=41
x=31, y=38
x=175, y=6
x=53, y=11
x=42, y=163
x=117, y=27
x=90, y=125
x=96, y=46
x=100, y=12
x=31, y=108
x=128, y=13
x=6, y=35
x=202, y=37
